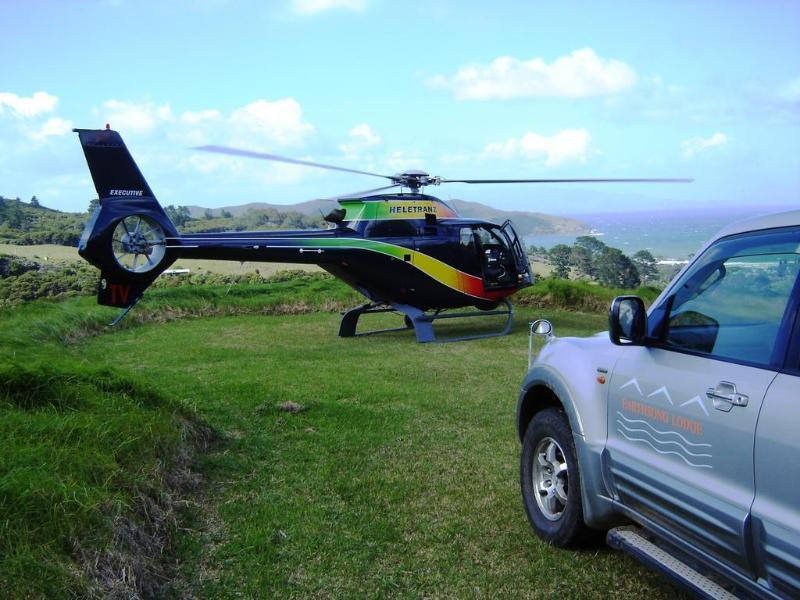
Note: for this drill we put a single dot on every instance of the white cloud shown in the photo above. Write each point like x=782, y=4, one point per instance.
x=361, y=137
x=135, y=117
x=577, y=75
x=313, y=7
x=566, y=146
x=195, y=117
x=280, y=121
x=260, y=122
x=54, y=126
x=32, y=106
x=400, y=162
x=693, y=146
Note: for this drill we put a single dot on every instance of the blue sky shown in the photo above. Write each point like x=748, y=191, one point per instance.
x=704, y=89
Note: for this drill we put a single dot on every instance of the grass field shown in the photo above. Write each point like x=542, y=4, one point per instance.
x=398, y=475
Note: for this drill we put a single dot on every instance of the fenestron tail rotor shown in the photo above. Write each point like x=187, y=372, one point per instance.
x=138, y=244
x=416, y=180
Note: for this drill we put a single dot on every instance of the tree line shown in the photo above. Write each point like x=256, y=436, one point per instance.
x=29, y=223
x=589, y=258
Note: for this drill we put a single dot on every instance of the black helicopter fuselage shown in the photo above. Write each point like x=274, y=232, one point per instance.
x=404, y=252
x=426, y=263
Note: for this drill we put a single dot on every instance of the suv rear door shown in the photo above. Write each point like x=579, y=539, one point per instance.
x=683, y=410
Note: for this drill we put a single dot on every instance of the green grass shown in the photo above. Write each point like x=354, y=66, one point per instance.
x=577, y=295
x=89, y=464
x=399, y=476
x=81, y=454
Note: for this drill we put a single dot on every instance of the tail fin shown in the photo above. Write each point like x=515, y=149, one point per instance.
x=113, y=170
x=127, y=236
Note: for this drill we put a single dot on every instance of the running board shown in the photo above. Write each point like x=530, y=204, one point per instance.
x=422, y=322
x=633, y=540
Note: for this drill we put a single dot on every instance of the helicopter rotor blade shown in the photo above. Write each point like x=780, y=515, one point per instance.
x=283, y=159
x=625, y=180
x=355, y=195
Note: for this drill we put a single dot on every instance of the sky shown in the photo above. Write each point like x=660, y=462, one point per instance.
x=462, y=89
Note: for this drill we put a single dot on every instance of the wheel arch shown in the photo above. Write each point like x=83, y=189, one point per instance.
x=544, y=389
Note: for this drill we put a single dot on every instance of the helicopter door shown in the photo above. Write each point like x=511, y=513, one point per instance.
x=520, y=254
x=497, y=257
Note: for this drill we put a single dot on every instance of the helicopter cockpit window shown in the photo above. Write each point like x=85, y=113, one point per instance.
x=390, y=228
x=467, y=240
x=498, y=260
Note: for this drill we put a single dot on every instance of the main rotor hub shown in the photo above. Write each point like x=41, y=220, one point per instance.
x=415, y=179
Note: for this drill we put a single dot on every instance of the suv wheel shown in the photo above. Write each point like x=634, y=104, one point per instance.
x=551, y=488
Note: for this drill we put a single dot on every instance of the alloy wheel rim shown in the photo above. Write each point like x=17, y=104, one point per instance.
x=550, y=478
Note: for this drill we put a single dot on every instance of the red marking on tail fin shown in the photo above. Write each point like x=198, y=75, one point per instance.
x=121, y=291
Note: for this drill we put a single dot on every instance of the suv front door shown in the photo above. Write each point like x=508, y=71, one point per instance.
x=683, y=409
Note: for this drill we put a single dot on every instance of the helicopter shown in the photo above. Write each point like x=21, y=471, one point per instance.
x=407, y=252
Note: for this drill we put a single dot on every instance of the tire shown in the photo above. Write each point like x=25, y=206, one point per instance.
x=550, y=480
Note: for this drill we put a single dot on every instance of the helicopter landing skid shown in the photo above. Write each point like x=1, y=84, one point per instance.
x=422, y=322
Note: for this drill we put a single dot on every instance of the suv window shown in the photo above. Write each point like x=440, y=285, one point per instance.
x=731, y=303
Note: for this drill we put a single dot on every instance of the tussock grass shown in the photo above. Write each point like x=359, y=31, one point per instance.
x=577, y=295
x=92, y=467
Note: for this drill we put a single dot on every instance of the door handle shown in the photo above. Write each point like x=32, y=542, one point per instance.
x=725, y=396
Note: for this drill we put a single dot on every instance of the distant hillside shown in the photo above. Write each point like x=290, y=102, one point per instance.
x=526, y=223
x=31, y=223
x=310, y=207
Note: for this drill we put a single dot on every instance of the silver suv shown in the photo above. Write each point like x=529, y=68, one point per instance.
x=679, y=429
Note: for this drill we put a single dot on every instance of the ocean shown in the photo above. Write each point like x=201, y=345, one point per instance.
x=668, y=235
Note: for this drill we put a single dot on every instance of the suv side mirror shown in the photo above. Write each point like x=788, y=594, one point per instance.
x=627, y=321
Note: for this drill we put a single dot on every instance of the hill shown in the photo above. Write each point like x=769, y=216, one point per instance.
x=527, y=223
x=31, y=223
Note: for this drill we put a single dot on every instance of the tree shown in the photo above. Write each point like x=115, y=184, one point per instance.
x=646, y=265
x=208, y=215
x=594, y=246
x=614, y=269
x=179, y=215
x=93, y=203
x=35, y=202
x=559, y=256
x=12, y=214
x=582, y=260
x=226, y=214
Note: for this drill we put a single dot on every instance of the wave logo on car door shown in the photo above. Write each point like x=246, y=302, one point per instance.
x=662, y=430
